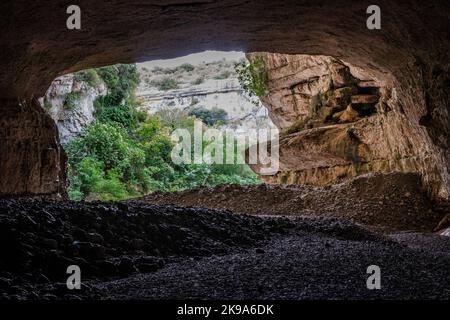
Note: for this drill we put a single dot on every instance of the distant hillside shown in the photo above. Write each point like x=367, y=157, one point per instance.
x=208, y=86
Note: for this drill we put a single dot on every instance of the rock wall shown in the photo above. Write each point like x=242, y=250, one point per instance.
x=205, y=85
x=71, y=121
x=221, y=94
x=32, y=162
x=338, y=122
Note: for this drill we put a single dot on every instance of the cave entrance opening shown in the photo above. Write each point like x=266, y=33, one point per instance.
x=117, y=123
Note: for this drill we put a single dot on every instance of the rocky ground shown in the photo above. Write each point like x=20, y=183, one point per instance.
x=305, y=265
x=38, y=240
x=394, y=201
x=138, y=250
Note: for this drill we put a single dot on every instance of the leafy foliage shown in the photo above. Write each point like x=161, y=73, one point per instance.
x=71, y=99
x=187, y=67
x=120, y=79
x=212, y=117
x=125, y=153
x=165, y=84
x=252, y=77
x=47, y=104
x=89, y=76
x=119, y=105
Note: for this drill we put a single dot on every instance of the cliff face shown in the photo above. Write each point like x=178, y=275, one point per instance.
x=70, y=103
x=338, y=121
x=209, y=86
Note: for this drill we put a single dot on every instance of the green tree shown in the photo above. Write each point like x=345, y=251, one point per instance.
x=126, y=153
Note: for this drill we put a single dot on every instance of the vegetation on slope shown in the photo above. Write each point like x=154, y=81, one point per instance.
x=126, y=153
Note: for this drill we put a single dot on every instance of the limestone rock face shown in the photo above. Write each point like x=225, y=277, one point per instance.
x=297, y=85
x=336, y=125
x=71, y=121
x=212, y=85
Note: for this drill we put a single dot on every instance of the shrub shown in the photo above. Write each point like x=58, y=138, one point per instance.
x=210, y=117
x=84, y=177
x=106, y=110
x=111, y=188
x=198, y=81
x=107, y=148
x=169, y=70
x=165, y=84
x=70, y=100
x=119, y=105
x=47, y=104
x=194, y=101
x=120, y=79
x=187, y=67
x=157, y=70
x=89, y=76
x=253, y=77
x=174, y=118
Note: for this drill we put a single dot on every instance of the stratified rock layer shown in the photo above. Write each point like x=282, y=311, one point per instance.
x=339, y=122
x=410, y=53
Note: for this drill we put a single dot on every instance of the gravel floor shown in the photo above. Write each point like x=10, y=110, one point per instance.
x=137, y=250
x=301, y=266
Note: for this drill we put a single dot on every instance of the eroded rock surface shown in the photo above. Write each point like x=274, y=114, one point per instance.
x=32, y=161
x=71, y=119
x=338, y=121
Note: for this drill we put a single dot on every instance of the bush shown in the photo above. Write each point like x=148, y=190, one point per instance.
x=157, y=69
x=47, y=104
x=253, y=77
x=210, y=117
x=106, y=110
x=165, y=84
x=111, y=188
x=174, y=118
x=187, y=67
x=84, y=177
x=101, y=149
x=120, y=79
x=198, y=81
x=70, y=100
x=89, y=76
x=119, y=105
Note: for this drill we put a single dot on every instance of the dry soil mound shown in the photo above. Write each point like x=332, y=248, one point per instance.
x=394, y=201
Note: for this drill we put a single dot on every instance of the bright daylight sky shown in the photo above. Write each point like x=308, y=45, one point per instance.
x=195, y=59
